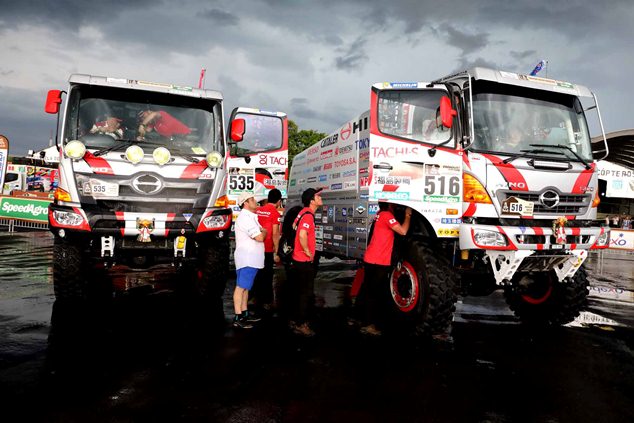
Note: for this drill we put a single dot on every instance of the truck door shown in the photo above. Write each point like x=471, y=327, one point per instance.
x=258, y=153
x=414, y=158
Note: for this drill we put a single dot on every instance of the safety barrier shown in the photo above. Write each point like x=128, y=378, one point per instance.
x=12, y=224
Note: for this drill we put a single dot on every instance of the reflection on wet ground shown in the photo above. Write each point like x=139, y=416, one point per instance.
x=153, y=354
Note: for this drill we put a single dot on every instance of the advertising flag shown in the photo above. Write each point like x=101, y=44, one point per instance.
x=4, y=159
x=538, y=67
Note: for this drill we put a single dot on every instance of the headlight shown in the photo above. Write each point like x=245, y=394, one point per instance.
x=161, y=156
x=486, y=238
x=75, y=149
x=215, y=221
x=214, y=159
x=68, y=218
x=134, y=154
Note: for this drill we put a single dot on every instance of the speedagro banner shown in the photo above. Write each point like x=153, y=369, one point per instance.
x=24, y=208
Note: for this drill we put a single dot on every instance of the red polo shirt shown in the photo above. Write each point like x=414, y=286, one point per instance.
x=380, y=249
x=307, y=223
x=167, y=125
x=268, y=216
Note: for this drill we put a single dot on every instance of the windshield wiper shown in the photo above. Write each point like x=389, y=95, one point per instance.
x=187, y=157
x=120, y=143
x=528, y=153
x=565, y=147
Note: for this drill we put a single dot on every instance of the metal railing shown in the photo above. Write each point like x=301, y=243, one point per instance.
x=12, y=224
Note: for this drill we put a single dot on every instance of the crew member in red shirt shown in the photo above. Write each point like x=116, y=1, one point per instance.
x=377, y=263
x=269, y=218
x=303, y=273
x=161, y=122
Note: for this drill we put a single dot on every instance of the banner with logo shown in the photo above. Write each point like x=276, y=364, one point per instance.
x=4, y=159
x=619, y=180
x=621, y=239
x=24, y=209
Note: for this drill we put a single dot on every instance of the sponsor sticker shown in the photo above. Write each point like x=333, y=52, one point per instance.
x=517, y=206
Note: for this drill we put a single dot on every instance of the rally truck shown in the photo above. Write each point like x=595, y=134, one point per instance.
x=142, y=181
x=258, y=159
x=498, y=170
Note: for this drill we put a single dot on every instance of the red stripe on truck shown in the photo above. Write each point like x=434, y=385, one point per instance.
x=513, y=176
x=98, y=165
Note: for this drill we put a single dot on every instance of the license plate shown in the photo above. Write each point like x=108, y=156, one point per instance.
x=556, y=246
x=98, y=188
x=517, y=206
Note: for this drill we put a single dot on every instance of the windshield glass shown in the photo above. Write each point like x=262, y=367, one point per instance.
x=262, y=133
x=103, y=117
x=413, y=115
x=511, y=122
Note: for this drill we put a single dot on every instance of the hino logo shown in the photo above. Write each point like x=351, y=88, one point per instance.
x=147, y=184
x=549, y=199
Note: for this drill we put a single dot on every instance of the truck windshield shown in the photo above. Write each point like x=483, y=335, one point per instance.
x=262, y=133
x=412, y=114
x=527, y=119
x=102, y=117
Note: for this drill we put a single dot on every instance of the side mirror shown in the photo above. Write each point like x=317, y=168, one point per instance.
x=446, y=112
x=237, y=130
x=53, y=100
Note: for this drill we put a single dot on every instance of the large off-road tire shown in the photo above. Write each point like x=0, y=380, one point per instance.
x=69, y=277
x=548, y=301
x=422, y=289
x=213, y=270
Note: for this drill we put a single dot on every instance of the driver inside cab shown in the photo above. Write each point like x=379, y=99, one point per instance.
x=162, y=123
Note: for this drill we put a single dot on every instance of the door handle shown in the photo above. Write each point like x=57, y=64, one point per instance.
x=383, y=166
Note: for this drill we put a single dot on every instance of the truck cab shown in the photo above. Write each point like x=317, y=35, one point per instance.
x=142, y=179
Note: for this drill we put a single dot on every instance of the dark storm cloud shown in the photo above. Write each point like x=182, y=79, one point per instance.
x=219, y=17
x=353, y=57
x=468, y=43
x=466, y=63
x=521, y=55
x=24, y=121
x=69, y=13
x=300, y=108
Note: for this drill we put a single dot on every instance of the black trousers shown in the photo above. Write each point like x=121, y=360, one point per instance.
x=262, y=291
x=301, y=287
x=374, y=293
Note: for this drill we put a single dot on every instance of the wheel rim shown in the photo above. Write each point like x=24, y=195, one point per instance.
x=404, y=287
x=538, y=292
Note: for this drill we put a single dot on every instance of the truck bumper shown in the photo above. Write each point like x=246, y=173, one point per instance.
x=512, y=249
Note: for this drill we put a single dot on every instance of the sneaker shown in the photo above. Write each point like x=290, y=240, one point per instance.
x=251, y=317
x=370, y=330
x=304, y=330
x=242, y=324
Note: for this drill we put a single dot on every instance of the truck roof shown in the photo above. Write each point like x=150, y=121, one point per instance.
x=144, y=85
x=512, y=78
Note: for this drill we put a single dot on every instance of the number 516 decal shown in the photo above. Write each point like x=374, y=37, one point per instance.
x=442, y=185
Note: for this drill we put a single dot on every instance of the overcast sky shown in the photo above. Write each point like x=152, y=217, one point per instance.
x=314, y=60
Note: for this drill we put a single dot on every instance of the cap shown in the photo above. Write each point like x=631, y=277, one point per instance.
x=244, y=196
x=309, y=194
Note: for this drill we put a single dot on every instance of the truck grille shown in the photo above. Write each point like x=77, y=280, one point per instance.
x=569, y=204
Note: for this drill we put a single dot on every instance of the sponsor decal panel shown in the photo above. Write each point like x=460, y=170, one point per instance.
x=24, y=208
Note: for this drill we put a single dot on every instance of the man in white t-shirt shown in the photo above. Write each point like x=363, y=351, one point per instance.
x=248, y=257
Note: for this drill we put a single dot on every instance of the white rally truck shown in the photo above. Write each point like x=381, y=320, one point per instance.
x=142, y=181
x=499, y=171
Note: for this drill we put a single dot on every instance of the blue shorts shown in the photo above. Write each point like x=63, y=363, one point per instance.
x=245, y=277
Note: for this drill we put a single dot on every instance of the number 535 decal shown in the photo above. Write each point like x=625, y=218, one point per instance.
x=241, y=182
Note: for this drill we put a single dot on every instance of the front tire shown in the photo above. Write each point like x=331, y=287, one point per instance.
x=422, y=289
x=69, y=282
x=547, y=301
x=213, y=271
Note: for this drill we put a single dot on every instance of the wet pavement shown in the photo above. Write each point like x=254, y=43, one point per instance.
x=153, y=354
